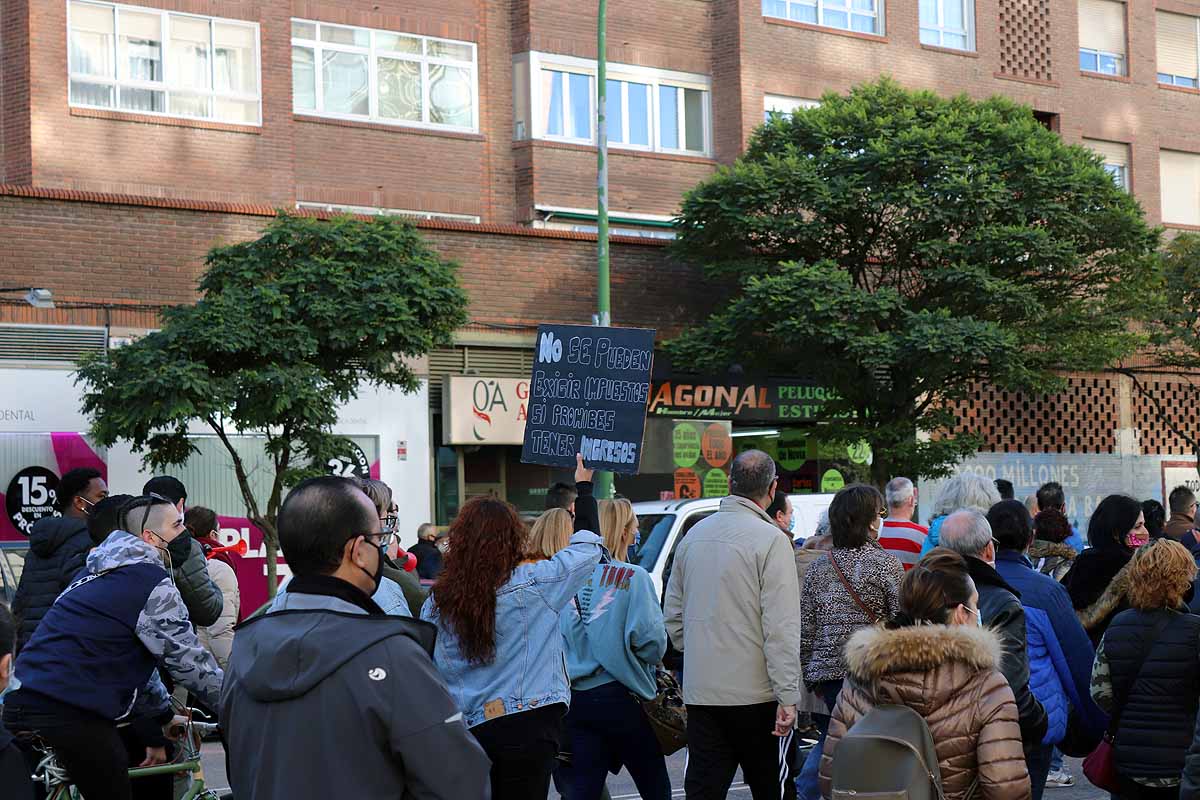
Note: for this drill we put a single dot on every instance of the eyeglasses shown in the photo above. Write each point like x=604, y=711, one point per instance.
x=389, y=523
x=385, y=538
x=883, y=512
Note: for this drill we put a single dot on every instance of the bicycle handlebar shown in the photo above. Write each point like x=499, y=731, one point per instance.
x=206, y=728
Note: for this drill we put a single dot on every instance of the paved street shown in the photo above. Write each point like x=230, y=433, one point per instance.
x=621, y=786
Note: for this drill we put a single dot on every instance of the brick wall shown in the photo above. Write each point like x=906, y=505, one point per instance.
x=564, y=176
x=103, y=253
x=15, y=164
x=46, y=143
x=800, y=61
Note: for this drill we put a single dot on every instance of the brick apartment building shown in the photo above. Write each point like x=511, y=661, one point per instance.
x=134, y=136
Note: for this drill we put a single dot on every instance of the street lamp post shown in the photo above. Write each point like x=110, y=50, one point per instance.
x=36, y=297
x=603, y=486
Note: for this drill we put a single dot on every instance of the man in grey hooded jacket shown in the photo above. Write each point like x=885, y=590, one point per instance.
x=330, y=697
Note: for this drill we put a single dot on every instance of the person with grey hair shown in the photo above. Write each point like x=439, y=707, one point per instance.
x=968, y=533
x=429, y=555
x=732, y=607
x=899, y=535
x=965, y=490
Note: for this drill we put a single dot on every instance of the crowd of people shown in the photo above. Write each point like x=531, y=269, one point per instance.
x=531, y=658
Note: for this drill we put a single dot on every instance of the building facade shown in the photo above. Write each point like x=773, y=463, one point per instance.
x=134, y=136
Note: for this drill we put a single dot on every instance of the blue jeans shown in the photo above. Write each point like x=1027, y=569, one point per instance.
x=606, y=728
x=807, y=782
x=1056, y=760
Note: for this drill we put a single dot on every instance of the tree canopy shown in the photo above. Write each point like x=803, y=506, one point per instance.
x=287, y=329
x=901, y=248
x=1174, y=348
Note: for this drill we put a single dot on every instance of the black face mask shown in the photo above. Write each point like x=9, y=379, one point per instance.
x=377, y=578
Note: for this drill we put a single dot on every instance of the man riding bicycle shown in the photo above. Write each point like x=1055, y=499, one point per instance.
x=91, y=662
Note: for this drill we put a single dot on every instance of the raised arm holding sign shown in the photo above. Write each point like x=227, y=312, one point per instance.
x=588, y=395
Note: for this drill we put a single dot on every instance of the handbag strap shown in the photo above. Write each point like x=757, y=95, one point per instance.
x=1118, y=707
x=858, y=601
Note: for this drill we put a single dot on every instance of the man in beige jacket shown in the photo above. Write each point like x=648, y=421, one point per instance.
x=733, y=609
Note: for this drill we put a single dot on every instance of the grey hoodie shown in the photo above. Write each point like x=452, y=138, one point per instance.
x=323, y=700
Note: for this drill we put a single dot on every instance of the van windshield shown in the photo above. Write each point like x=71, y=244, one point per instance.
x=653, y=529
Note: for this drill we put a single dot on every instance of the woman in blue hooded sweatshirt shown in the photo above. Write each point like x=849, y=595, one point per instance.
x=614, y=638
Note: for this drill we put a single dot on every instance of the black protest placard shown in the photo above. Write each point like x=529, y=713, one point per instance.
x=588, y=395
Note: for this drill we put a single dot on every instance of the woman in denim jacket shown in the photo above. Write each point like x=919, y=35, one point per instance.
x=498, y=645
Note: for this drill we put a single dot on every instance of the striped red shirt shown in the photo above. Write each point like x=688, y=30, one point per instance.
x=903, y=540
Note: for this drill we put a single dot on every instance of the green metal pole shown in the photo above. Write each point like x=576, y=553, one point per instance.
x=603, y=480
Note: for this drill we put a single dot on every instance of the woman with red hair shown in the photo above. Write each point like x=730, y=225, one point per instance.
x=498, y=644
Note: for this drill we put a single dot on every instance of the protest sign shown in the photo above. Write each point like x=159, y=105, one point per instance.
x=588, y=395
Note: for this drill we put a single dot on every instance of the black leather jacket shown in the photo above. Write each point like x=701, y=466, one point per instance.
x=1000, y=607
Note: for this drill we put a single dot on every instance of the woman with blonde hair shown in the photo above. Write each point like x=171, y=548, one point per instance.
x=614, y=640
x=551, y=533
x=618, y=526
x=1145, y=673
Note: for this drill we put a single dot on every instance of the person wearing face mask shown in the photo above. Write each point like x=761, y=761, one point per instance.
x=934, y=657
x=189, y=566
x=968, y=533
x=91, y=663
x=386, y=593
x=854, y=585
x=1098, y=581
x=331, y=697
x=1060, y=654
x=782, y=514
x=408, y=580
x=57, y=546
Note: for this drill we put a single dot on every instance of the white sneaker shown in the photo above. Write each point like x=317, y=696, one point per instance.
x=1059, y=779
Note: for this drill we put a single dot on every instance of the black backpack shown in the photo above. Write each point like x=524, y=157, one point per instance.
x=887, y=755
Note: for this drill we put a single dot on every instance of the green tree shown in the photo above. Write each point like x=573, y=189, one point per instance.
x=901, y=248
x=287, y=329
x=1174, y=350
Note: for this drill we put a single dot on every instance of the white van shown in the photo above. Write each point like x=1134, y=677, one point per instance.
x=664, y=524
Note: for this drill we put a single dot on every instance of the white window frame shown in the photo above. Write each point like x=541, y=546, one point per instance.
x=651, y=115
x=373, y=54
x=654, y=78
x=566, y=106
x=376, y=211
x=1120, y=59
x=782, y=104
x=117, y=83
x=1118, y=171
x=1193, y=81
x=940, y=28
x=880, y=29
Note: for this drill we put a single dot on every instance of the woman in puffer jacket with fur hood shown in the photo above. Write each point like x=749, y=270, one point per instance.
x=936, y=659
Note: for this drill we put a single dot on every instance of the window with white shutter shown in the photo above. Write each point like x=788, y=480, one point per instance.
x=1179, y=178
x=1116, y=159
x=1178, y=49
x=1102, y=37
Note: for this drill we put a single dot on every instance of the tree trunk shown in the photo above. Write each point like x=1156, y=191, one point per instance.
x=271, y=549
x=880, y=469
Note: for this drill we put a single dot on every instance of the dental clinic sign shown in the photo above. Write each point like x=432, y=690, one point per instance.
x=479, y=410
